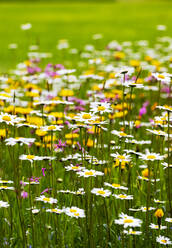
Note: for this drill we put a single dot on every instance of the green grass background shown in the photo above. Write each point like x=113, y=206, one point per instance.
x=77, y=21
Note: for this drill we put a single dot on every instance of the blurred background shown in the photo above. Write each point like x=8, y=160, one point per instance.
x=76, y=21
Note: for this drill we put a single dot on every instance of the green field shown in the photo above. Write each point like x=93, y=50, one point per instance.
x=77, y=21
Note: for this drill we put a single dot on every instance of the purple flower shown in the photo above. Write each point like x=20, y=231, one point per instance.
x=43, y=171
x=24, y=194
x=46, y=190
x=142, y=111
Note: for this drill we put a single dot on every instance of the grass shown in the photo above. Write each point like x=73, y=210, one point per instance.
x=77, y=22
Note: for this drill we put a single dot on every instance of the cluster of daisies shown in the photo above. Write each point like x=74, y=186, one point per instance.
x=97, y=136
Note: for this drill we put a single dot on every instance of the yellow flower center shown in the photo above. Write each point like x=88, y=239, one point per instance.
x=74, y=168
x=73, y=210
x=89, y=173
x=115, y=185
x=122, y=196
x=46, y=199
x=161, y=76
x=101, y=108
x=128, y=221
x=151, y=157
x=51, y=127
x=122, y=134
x=76, y=214
x=86, y=116
x=4, y=187
x=30, y=156
x=55, y=211
x=6, y=118
x=121, y=157
x=101, y=192
x=164, y=241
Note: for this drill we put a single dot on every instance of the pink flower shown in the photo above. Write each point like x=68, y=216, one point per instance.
x=142, y=111
x=43, y=171
x=24, y=194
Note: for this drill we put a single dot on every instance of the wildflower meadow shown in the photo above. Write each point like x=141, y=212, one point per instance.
x=85, y=142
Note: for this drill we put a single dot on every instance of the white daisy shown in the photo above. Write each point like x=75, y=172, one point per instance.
x=74, y=168
x=52, y=128
x=101, y=192
x=168, y=220
x=153, y=226
x=122, y=157
x=121, y=134
x=151, y=156
x=4, y=204
x=100, y=107
x=89, y=173
x=55, y=210
x=132, y=232
x=115, y=186
x=128, y=221
x=74, y=212
x=20, y=140
x=45, y=199
x=123, y=197
x=163, y=240
x=10, y=119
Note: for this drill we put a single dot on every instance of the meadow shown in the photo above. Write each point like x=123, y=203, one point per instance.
x=85, y=124
x=77, y=21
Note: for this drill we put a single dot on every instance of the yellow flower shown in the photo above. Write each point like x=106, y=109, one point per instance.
x=134, y=63
x=40, y=132
x=159, y=213
x=66, y=92
x=145, y=172
x=119, y=55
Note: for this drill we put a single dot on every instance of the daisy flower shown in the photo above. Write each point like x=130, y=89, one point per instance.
x=100, y=107
x=45, y=199
x=19, y=140
x=144, y=209
x=151, y=156
x=4, y=204
x=122, y=157
x=123, y=197
x=121, y=134
x=115, y=186
x=6, y=187
x=74, y=168
x=158, y=201
x=128, y=221
x=139, y=142
x=165, y=107
x=5, y=181
x=89, y=173
x=165, y=165
x=132, y=232
x=153, y=226
x=55, y=210
x=162, y=77
x=10, y=119
x=51, y=128
x=101, y=191
x=132, y=84
x=163, y=240
x=26, y=26
x=168, y=220
x=32, y=158
x=85, y=117
x=159, y=132
x=74, y=212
